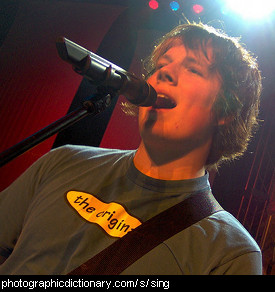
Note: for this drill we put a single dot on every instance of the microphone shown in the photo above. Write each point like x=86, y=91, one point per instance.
x=105, y=74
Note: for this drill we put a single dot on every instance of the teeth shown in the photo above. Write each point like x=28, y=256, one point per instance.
x=162, y=96
x=164, y=101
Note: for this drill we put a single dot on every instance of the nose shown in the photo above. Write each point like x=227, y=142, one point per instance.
x=167, y=74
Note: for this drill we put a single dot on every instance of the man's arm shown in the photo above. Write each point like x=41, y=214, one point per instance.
x=246, y=264
x=14, y=203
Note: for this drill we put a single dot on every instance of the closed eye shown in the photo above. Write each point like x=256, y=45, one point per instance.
x=195, y=71
x=159, y=66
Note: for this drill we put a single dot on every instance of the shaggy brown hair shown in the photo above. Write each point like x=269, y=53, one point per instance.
x=238, y=99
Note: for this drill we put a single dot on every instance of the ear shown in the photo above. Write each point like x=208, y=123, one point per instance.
x=225, y=120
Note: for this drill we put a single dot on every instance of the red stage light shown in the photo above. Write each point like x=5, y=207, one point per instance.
x=198, y=8
x=153, y=4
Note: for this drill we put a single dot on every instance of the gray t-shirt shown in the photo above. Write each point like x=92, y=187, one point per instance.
x=76, y=200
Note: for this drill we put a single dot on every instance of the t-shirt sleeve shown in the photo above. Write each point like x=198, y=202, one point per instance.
x=247, y=264
x=15, y=201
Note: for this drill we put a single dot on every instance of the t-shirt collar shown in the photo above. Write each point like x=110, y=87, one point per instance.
x=171, y=186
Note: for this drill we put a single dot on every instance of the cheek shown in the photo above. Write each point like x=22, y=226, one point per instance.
x=191, y=118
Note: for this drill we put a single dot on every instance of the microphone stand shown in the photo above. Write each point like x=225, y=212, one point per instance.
x=93, y=106
x=108, y=77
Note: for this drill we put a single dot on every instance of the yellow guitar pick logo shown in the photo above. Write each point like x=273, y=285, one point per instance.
x=112, y=217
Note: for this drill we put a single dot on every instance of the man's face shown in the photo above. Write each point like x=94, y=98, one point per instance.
x=186, y=88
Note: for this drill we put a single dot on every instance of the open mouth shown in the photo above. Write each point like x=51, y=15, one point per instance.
x=164, y=101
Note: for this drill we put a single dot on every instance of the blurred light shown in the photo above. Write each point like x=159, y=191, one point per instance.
x=153, y=4
x=174, y=5
x=250, y=8
x=198, y=8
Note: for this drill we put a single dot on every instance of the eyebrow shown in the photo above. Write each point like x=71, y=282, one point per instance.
x=166, y=57
x=187, y=60
x=191, y=60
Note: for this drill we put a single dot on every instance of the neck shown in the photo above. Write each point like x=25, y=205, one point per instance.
x=170, y=166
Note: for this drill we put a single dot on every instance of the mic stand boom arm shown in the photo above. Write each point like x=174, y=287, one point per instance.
x=110, y=80
x=95, y=105
x=81, y=60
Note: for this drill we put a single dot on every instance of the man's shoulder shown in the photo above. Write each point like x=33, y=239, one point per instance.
x=231, y=231
x=77, y=157
x=214, y=241
x=220, y=230
x=87, y=152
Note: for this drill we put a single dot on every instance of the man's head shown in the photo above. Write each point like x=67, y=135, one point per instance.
x=223, y=83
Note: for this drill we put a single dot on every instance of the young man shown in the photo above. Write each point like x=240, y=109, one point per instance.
x=75, y=201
